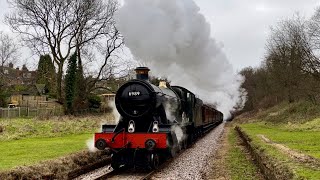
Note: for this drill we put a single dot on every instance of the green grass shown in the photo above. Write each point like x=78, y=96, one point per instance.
x=295, y=125
x=240, y=167
x=296, y=138
x=33, y=150
x=29, y=141
x=14, y=129
x=306, y=142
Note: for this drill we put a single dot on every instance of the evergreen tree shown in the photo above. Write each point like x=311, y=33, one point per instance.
x=70, y=83
x=46, y=74
x=3, y=96
x=81, y=101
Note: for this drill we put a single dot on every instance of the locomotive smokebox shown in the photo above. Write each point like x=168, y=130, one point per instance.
x=142, y=73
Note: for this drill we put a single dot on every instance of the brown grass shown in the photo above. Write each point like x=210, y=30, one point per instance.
x=54, y=169
x=219, y=165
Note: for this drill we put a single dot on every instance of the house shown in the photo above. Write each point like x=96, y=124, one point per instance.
x=14, y=76
x=106, y=99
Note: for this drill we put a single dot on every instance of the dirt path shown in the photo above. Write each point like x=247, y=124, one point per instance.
x=218, y=164
x=220, y=167
x=300, y=157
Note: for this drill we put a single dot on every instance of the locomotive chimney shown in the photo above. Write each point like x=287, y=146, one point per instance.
x=142, y=73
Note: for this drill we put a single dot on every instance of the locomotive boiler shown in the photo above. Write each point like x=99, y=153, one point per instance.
x=156, y=122
x=143, y=105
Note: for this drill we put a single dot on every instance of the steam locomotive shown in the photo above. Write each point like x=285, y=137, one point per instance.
x=156, y=122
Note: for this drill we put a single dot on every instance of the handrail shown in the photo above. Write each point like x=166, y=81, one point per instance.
x=116, y=134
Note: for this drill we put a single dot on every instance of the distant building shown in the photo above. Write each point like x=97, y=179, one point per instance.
x=15, y=76
x=106, y=100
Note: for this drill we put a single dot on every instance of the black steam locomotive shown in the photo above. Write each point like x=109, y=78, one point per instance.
x=156, y=122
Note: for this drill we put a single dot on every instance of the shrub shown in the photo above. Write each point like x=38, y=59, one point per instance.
x=94, y=101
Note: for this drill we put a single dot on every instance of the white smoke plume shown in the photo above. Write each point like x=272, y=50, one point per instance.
x=173, y=39
x=115, y=112
x=170, y=109
x=169, y=113
x=179, y=132
x=90, y=145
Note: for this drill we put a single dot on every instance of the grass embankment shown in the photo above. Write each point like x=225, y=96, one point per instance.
x=29, y=141
x=33, y=150
x=288, y=134
x=14, y=129
x=284, y=113
x=300, y=142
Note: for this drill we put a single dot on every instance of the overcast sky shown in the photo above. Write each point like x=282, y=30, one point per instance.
x=3, y=10
x=241, y=27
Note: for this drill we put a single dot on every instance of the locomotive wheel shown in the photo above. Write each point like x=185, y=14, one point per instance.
x=115, y=165
x=101, y=144
x=115, y=162
x=173, y=152
x=153, y=160
x=185, y=144
x=191, y=139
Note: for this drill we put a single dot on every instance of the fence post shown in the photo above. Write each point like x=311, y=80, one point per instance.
x=19, y=111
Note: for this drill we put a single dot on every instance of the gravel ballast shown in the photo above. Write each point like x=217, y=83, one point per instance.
x=193, y=163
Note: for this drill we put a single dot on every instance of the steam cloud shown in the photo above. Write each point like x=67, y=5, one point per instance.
x=115, y=112
x=90, y=145
x=178, y=132
x=173, y=39
x=113, y=120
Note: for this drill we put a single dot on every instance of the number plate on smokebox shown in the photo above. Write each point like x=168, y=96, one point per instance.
x=135, y=93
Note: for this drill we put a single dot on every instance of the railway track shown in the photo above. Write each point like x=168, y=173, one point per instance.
x=107, y=172
x=78, y=172
x=128, y=174
x=132, y=174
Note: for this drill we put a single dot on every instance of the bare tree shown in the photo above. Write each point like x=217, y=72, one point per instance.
x=8, y=51
x=109, y=66
x=63, y=26
x=313, y=29
x=291, y=68
x=288, y=50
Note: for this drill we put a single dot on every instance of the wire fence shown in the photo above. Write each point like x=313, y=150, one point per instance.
x=46, y=112
x=30, y=112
